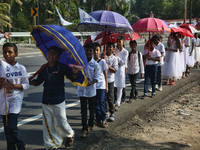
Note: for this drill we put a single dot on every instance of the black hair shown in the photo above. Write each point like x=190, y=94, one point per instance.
x=57, y=49
x=11, y=45
x=161, y=37
x=111, y=43
x=90, y=45
x=133, y=42
x=96, y=44
x=156, y=37
x=178, y=44
x=120, y=38
x=152, y=41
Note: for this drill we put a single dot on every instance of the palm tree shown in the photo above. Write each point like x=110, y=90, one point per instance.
x=4, y=18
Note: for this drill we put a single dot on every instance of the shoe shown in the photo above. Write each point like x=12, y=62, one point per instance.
x=156, y=86
x=90, y=128
x=150, y=89
x=130, y=100
x=144, y=96
x=84, y=134
x=159, y=88
x=105, y=124
x=153, y=95
x=112, y=118
x=116, y=108
x=136, y=97
x=70, y=140
x=98, y=123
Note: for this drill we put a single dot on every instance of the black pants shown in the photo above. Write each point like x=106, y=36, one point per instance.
x=12, y=133
x=109, y=100
x=133, y=78
x=84, y=102
x=159, y=76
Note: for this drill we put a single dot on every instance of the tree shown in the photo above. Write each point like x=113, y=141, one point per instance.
x=4, y=18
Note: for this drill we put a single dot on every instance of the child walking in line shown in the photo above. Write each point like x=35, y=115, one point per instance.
x=135, y=64
x=171, y=65
x=112, y=64
x=120, y=75
x=152, y=58
x=13, y=99
x=88, y=94
x=55, y=125
x=101, y=87
x=187, y=46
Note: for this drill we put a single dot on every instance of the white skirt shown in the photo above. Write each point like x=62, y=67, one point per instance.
x=197, y=51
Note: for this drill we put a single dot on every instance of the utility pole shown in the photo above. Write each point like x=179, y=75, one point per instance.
x=185, y=7
x=190, y=11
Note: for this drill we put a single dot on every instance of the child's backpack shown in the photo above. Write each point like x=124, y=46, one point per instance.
x=129, y=55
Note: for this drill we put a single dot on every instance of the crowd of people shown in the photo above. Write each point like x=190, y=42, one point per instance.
x=106, y=75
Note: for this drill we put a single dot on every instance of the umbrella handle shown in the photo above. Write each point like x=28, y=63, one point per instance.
x=38, y=71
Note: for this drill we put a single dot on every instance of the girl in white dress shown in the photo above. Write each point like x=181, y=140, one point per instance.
x=187, y=45
x=170, y=67
x=181, y=53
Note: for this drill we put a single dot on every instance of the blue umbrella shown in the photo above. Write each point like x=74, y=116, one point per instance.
x=46, y=36
x=109, y=21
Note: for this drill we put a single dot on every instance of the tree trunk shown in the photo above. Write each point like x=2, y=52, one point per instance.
x=190, y=11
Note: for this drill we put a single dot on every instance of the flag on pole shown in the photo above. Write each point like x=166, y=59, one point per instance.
x=86, y=18
x=11, y=72
x=63, y=22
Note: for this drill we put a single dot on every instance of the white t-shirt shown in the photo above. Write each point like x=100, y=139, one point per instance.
x=101, y=84
x=153, y=54
x=161, y=48
x=92, y=74
x=14, y=101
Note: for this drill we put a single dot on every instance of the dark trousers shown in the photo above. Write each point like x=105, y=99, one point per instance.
x=109, y=99
x=133, y=78
x=100, y=105
x=150, y=74
x=159, y=76
x=84, y=102
x=12, y=133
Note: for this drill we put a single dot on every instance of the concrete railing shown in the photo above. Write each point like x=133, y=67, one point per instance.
x=28, y=35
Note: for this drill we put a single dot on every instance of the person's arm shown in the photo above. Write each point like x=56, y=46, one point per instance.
x=7, y=35
x=193, y=44
x=96, y=74
x=2, y=80
x=38, y=80
x=141, y=66
x=14, y=86
x=173, y=50
x=106, y=80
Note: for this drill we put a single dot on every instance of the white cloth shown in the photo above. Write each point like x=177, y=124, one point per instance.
x=192, y=57
x=112, y=62
x=170, y=67
x=186, y=51
x=55, y=125
x=182, y=57
x=197, y=49
x=119, y=95
x=133, y=63
x=1, y=35
x=122, y=57
x=14, y=101
x=92, y=74
x=101, y=84
x=153, y=54
x=160, y=46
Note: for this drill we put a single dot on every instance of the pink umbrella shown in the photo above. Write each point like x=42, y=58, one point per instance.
x=150, y=25
x=100, y=38
x=190, y=27
x=186, y=32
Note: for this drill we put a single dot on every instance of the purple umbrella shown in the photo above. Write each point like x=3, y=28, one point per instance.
x=109, y=21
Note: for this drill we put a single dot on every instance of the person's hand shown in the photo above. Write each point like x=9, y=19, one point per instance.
x=190, y=54
x=142, y=75
x=106, y=89
x=115, y=54
x=103, y=55
x=6, y=35
x=75, y=69
x=8, y=84
x=2, y=80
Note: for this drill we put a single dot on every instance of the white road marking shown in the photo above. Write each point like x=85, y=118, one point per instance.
x=29, y=56
x=25, y=121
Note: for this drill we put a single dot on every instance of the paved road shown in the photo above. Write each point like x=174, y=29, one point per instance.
x=30, y=121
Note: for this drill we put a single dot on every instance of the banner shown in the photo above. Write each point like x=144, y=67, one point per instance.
x=63, y=22
x=86, y=18
x=10, y=72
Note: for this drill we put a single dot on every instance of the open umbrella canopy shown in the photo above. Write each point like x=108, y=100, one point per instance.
x=150, y=25
x=190, y=27
x=46, y=36
x=109, y=21
x=198, y=26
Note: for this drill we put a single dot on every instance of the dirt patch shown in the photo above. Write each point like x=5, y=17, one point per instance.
x=176, y=125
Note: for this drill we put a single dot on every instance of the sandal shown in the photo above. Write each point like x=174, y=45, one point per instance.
x=105, y=124
x=130, y=101
x=69, y=141
x=136, y=97
x=167, y=83
x=173, y=83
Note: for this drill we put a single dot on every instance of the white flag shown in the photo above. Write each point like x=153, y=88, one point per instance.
x=86, y=18
x=11, y=72
x=63, y=22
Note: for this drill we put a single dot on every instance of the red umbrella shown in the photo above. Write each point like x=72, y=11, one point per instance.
x=198, y=26
x=190, y=27
x=186, y=32
x=150, y=25
x=111, y=38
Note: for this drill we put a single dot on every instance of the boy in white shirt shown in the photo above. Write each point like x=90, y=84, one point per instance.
x=14, y=99
x=152, y=58
x=112, y=63
x=88, y=94
x=102, y=89
x=135, y=63
x=120, y=75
